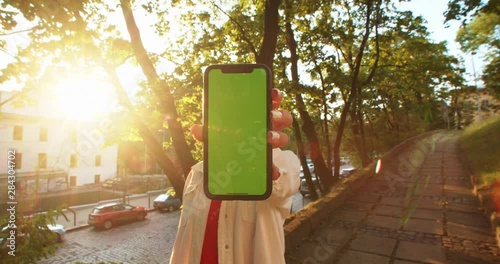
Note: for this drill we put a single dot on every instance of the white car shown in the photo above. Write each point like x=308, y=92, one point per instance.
x=344, y=173
x=59, y=230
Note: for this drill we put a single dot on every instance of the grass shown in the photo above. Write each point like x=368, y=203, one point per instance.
x=480, y=145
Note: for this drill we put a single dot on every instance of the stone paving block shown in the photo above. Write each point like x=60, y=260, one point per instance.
x=461, y=195
x=332, y=235
x=455, y=181
x=395, y=201
x=467, y=219
x=470, y=232
x=427, y=214
x=383, y=221
x=365, y=197
x=312, y=252
x=398, y=188
x=428, y=204
x=375, y=188
x=359, y=206
x=355, y=257
x=431, y=173
x=373, y=244
x=413, y=179
x=388, y=210
x=420, y=252
x=457, y=188
x=424, y=226
x=433, y=162
x=429, y=190
x=348, y=215
x=464, y=256
x=466, y=208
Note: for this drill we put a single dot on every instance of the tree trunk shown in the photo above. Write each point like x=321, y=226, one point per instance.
x=320, y=167
x=302, y=156
x=354, y=89
x=154, y=147
x=340, y=133
x=325, y=111
x=271, y=30
x=161, y=90
x=365, y=159
x=358, y=131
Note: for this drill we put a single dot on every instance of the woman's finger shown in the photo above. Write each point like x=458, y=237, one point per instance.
x=197, y=131
x=280, y=119
x=277, y=139
x=276, y=98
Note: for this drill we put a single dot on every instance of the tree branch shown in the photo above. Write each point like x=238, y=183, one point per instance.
x=17, y=32
x=240, y=29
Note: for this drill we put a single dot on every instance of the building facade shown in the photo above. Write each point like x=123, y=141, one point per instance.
x=52, y=153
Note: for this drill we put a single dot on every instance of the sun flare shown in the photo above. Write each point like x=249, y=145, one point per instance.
x=83, y=97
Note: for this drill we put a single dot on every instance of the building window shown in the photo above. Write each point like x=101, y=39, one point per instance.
x=42, y=160
x=73, y=163
x=44, y=134
x=97, y=178
x=18, y=133
x=98, y=160
x=72, y=181
x=19, y=160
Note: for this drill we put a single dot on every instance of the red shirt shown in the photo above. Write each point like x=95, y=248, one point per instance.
x=209, y=253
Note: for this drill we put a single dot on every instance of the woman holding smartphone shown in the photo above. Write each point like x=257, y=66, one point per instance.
x=235, y=231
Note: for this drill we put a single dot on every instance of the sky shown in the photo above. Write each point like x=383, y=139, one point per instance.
x=433, y=12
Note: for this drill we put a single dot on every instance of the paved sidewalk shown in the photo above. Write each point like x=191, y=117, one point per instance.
x=419, y=209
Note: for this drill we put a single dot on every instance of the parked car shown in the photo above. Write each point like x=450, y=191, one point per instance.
x=310, y=165
x=109, y=183
x=21, y=234
x=344, y=173
x=108, y=215
x=167, y=201
x=304, y=189
x=59, y=230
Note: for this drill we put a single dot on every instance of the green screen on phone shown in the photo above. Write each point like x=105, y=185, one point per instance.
x=237, y=159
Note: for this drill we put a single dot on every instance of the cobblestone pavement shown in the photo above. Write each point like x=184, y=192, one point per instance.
x=419, y=209
x=149, y=241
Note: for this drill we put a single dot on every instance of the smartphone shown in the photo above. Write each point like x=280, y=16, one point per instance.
x=237, y=159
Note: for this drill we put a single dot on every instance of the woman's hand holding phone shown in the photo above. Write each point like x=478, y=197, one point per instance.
x=280, y=119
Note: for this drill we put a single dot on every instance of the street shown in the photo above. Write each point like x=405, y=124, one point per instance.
x=149, y=241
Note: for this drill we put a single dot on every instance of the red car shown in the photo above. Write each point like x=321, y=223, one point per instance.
x=107, y=215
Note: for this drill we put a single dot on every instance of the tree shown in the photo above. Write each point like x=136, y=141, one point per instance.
x=26, y=237
x=80, y=32
x=62, y=37
x=462, y=9
x=347, y=28
x=482, y=32
x=315, y=151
